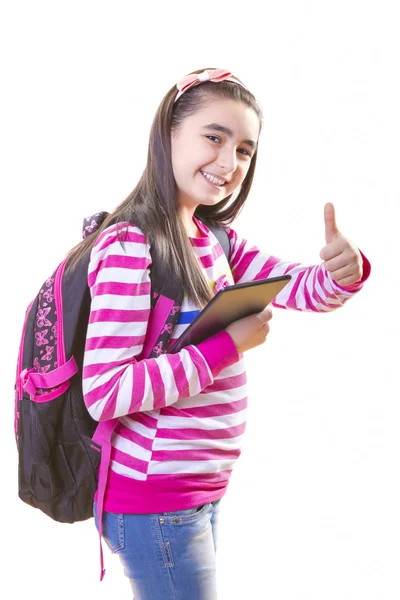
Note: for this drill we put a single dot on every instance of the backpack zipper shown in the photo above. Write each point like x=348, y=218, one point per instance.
x=59, y=311
x=18, y=383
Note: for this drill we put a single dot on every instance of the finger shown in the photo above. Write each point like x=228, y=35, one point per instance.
x=334, y=264
x=264, y=331
x=265, y=315
x=331, y=229
x=347, y=280
x=333, y=249
x=342, y=273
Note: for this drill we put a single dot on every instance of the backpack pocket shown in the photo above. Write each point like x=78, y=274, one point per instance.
x=48, y=480
x=57, y=461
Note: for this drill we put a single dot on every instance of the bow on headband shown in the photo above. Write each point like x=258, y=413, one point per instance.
x=194, y=79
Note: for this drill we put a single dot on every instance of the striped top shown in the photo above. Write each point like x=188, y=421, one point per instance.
x=181, y=416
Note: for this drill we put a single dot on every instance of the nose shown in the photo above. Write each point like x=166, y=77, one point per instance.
x=227, y=159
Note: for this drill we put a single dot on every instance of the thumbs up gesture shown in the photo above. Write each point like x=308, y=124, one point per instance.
x=342, y=259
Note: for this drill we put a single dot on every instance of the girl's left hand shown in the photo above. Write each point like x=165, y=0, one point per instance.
x=342, y=258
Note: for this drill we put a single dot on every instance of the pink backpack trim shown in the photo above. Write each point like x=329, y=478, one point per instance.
x=104, y=431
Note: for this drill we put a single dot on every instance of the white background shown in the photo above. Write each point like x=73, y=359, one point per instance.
x=312, y=511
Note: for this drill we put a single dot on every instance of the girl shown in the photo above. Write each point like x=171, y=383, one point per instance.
x=182, y=416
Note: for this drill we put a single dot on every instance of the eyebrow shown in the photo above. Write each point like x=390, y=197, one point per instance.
x=228, y=132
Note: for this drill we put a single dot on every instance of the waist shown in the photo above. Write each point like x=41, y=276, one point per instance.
x=162, y=493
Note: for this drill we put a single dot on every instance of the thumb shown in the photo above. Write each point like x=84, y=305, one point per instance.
x=265, y=315
x=331, y=229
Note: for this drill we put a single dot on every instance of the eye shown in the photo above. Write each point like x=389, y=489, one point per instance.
x=244, y=152
x=213, y=137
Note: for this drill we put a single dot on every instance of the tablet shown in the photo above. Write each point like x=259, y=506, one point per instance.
x=230, y=304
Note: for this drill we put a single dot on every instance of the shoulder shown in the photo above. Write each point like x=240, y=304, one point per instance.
x=121, y=233
x=120, y=246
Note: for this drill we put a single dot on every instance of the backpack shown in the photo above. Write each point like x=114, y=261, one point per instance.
x=63, y=454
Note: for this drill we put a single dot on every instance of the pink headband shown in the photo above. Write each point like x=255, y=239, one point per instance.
x=194, y=79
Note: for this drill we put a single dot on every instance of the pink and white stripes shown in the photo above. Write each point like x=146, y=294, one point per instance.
x=181, y=416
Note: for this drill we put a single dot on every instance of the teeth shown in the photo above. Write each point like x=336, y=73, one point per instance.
x=213, y=179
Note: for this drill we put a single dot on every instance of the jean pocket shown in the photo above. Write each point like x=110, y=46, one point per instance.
x=184, y=516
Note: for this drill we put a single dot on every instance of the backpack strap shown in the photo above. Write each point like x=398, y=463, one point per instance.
x=102, y=435
x=222, y=236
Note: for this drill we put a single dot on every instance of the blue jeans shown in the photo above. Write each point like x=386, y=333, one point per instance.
x=168, y=556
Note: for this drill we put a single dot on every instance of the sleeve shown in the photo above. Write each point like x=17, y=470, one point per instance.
x=310, y=289
x=116, y=382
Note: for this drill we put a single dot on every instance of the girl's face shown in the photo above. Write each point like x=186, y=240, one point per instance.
x=212, y=151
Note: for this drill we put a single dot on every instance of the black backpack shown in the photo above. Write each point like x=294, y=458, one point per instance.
x=59, y=444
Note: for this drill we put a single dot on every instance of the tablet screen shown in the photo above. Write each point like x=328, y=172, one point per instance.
x=230, y=304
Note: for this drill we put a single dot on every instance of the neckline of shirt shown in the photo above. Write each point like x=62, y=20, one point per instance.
x=203, y=239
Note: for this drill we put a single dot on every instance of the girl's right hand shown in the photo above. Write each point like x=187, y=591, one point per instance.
x=251, y=331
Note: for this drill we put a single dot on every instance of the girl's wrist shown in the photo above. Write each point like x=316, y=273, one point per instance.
x=219, y=351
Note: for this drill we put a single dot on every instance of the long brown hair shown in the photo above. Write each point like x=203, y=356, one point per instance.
x=152, y=205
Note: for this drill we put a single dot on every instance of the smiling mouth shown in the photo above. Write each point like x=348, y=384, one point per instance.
x=219, y=183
